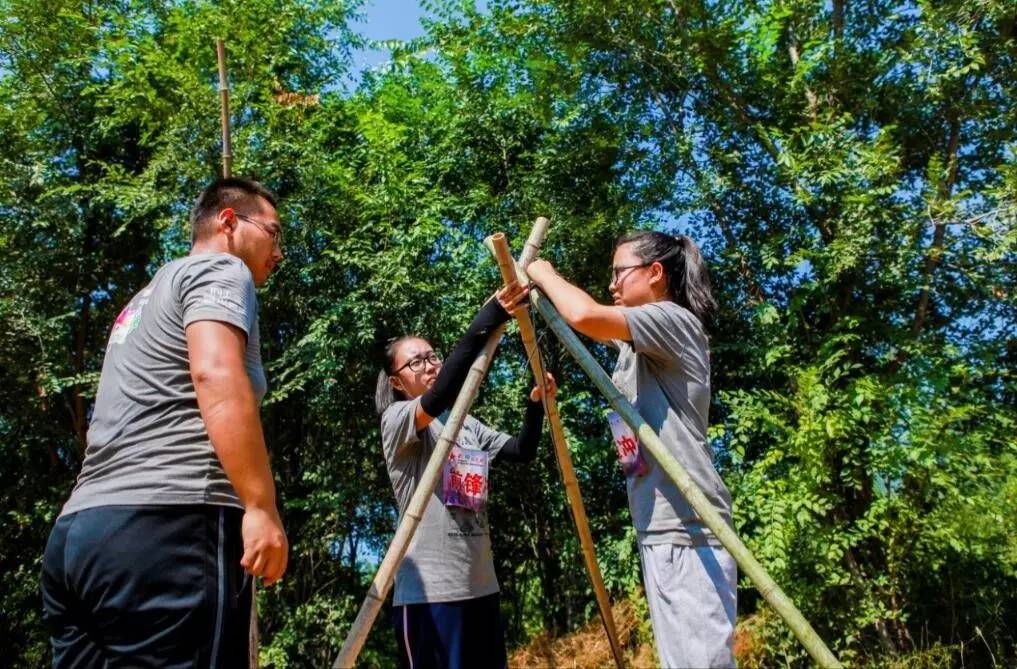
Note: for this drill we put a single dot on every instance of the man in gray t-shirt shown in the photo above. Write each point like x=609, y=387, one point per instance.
x=147, y=442
x=175, y=499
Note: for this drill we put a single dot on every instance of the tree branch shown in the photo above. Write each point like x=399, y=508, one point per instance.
x=756, y=294
x=934, y=256
x=810, y=98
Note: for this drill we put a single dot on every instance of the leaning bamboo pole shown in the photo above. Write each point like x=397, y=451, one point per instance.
x=224, y=106
x=227, y=172
x=418, y=503
x=747, y=562
x=499, y=247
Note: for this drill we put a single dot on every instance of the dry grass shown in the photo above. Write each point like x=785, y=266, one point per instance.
x=588, y=647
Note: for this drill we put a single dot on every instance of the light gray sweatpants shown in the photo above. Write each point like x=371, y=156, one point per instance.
x=692, y=592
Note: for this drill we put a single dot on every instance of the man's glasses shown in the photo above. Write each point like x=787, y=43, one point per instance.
x=618, y=273
x=275, y=230
x=417, y=364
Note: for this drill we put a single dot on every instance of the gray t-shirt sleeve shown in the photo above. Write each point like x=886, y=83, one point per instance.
x=221, y=289
x=399, y=427
x=661, y=330
x=489, y=440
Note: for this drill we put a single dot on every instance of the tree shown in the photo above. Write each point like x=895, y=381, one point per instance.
x=849, y=170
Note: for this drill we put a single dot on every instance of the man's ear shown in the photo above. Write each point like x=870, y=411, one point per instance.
x=227, y=220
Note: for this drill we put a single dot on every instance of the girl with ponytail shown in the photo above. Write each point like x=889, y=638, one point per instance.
x=662, y=307
x=446, y=604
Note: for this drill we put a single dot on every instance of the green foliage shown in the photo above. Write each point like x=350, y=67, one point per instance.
x=849, y=169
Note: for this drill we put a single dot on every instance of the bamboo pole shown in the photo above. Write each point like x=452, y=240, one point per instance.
x=224, y=105
x=747, y=562
x=499, y=247
x=385, y=575
x=252, y=630
x=227, y=172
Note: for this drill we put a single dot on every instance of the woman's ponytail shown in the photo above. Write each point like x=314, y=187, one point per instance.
x=688, y=280
x=384, y=393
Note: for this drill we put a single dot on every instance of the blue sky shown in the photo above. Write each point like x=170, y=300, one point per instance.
x=384, y=20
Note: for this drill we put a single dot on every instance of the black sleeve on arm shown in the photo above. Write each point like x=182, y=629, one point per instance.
x=523, y=448
x=443, y=393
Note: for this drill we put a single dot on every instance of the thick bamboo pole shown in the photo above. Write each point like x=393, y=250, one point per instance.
x=418, y=503
x=747, y=562
x=499, y=247
x=227, y=172
x=224, y=104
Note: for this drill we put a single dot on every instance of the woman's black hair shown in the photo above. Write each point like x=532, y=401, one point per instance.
x=688, y=281
x=384, y=393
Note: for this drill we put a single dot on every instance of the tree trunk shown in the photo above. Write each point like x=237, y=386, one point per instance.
x=935, y=252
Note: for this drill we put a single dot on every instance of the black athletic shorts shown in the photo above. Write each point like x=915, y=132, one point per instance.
x=466, y=634
x=147, y=586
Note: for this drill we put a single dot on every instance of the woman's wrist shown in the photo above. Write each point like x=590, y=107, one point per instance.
x=492, y=314
x=538, y=271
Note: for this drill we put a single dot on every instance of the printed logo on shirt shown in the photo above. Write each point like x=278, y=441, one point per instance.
x=464, y=479
x=129, y=319
x=466, y=523
x=224, y=297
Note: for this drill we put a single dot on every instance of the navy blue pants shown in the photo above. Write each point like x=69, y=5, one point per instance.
x=467, y=634
x=147, y=586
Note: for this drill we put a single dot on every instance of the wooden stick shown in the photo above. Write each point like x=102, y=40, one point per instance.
x=224, y=104
x=252, y=631
x=499, y=247
x=649, y=439
x=532, y=246
x=418, y=503
x=227, y=172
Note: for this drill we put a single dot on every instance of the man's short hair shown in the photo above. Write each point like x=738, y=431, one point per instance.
x=219, y=195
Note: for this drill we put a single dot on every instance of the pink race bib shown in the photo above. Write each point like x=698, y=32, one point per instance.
x=464, y=479
x=627, y=445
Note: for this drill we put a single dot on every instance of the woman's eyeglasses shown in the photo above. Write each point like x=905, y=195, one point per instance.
x=617, y=273
x=417, y=364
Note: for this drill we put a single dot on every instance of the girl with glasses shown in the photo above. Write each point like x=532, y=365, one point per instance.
x=662, y=306
x=446, y=603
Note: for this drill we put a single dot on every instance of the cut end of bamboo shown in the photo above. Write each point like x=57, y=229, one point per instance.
x=534, y=241
x=499, y=247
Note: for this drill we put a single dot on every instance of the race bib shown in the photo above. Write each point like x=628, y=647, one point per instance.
x=464, y=479
x=625, y=442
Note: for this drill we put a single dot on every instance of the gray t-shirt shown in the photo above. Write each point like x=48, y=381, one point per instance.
x=449, y=558
x=665, y=373
x=147, y=443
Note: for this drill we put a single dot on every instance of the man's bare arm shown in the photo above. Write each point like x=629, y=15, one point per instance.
x=230, y=412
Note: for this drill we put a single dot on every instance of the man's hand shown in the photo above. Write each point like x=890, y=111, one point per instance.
x=266, y=550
